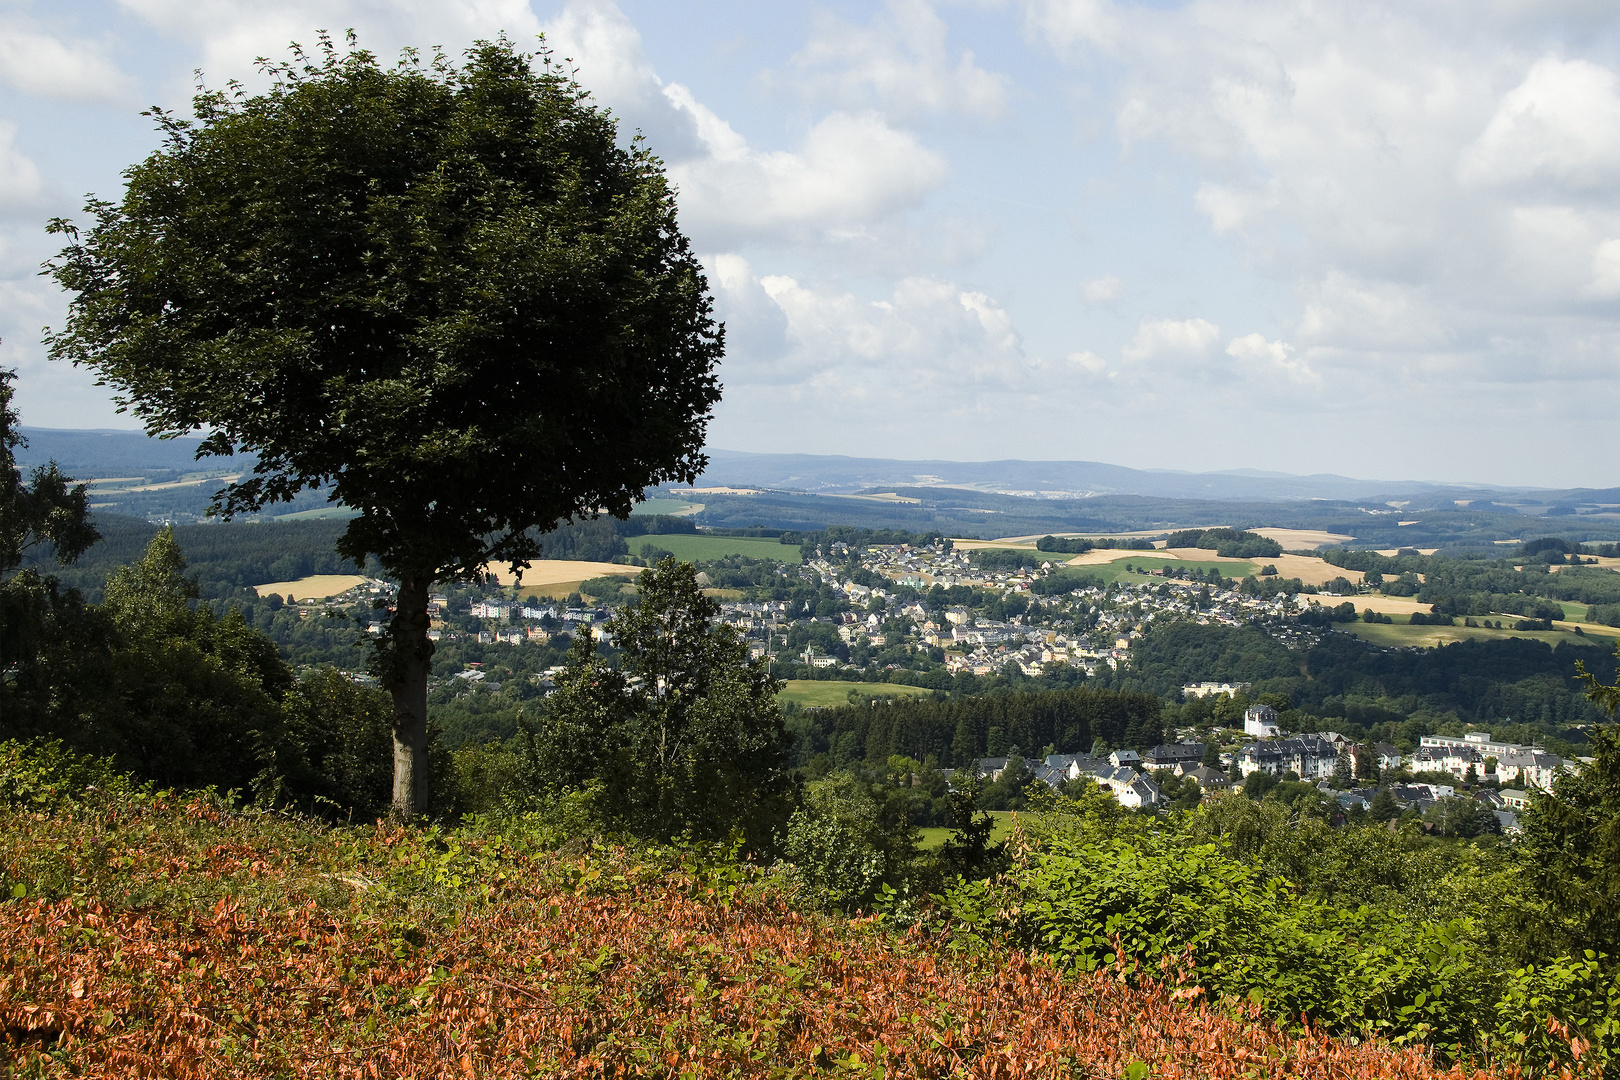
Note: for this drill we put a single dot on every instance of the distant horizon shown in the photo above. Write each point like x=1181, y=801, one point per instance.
x=1240, y=472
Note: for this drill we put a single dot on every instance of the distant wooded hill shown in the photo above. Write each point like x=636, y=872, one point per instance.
x=970, y=499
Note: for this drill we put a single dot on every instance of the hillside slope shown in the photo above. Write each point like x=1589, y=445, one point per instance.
x=162, y=934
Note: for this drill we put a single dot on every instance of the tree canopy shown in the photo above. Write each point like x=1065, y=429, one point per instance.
x=685, y=736
x=446, y=293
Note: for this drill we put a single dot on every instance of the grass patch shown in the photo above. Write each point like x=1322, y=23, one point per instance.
x=699, y=548
x=829, y=692
x=933, y=838
x=1114, y=569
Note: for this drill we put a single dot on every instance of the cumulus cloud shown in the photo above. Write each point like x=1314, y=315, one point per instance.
x=1440, y=199
x=847, y=171
x=43, y=65
x=20, y=182
x=1178, y=342
x=1255, y=354
x=1560, y=126
x=232, y=33
x=898, y=62
x=1103, y=290
x=926, y=330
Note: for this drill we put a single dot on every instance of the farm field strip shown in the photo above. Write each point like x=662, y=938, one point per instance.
x=830, y=692
x=314, y=587
x=689, y=547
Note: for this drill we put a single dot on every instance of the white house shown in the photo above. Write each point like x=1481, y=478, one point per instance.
x=1260, y=722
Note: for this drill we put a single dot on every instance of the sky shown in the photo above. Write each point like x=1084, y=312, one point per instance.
x=1373, y=237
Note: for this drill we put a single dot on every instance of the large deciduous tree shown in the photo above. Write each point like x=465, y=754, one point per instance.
x=448, y=293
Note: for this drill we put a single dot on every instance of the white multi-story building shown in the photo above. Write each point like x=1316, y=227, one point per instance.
x=1260, y=722
x=1515, y=763
x=1211, y=689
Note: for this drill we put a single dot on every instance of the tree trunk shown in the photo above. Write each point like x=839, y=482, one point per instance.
x=412, y=658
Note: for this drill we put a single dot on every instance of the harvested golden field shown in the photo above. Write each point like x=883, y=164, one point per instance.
x=1311, y=571
x=1302, y=538
x=1384, y=605
x=544, y=572
x=316, y=587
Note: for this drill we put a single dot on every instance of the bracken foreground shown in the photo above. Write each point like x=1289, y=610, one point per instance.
x=152, y=934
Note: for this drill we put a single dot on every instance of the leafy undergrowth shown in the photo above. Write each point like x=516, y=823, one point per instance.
x=158, y=935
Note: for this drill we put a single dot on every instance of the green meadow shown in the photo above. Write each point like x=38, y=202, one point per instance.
x=830, y=692
x=689, y=547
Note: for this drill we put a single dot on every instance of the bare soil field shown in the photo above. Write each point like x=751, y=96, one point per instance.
x=316, y=587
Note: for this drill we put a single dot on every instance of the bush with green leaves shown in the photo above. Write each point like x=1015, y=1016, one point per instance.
x=836, y=844
x=1165, y=907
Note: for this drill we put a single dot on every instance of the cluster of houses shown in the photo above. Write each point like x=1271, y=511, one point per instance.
x=1123, y=773
x=1477, y=756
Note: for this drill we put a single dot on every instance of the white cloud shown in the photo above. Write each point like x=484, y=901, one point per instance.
x=606, y=50
x=1606, y=270
x=20, y=182
x=848, y=171
x=1437, y=188
x=925, y=335
x=1561, y=125
x=41, y=65
x=1103, y=290
x=232, y=33
x=756, y=327
x=898, y=62
x=1174, y=340
x=1088, y=362
x=1259, y=356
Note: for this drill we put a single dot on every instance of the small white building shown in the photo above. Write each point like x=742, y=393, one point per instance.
x=1260, y=722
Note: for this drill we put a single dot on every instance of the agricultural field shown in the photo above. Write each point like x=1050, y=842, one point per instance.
x=696, y=548
x=672, y=507
x=1403, y=635
x=1298, y=539
x=556, y=578
x=1113, y=567
x=320, y=513
x=315, y=587
x=826, y=693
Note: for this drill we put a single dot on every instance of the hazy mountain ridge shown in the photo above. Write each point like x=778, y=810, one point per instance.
x=1073, y=479
x=985, y=499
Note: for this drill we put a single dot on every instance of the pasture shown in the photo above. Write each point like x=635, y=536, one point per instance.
x=1113, y=568
x=825, y=693
x=933, y=838
x=688, y=547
